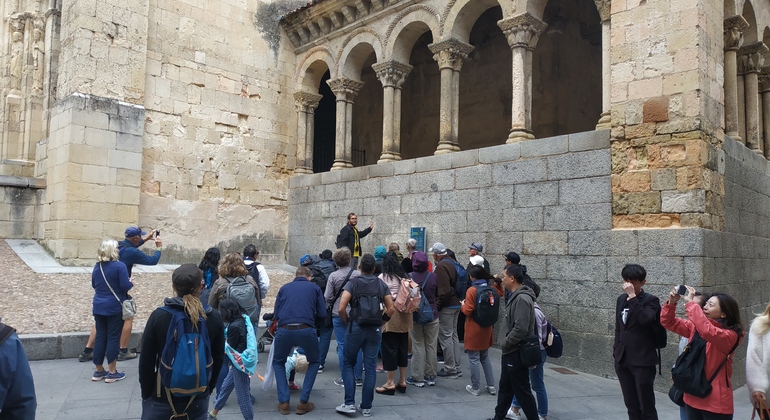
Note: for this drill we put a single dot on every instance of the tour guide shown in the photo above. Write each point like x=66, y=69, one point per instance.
x=350, y=237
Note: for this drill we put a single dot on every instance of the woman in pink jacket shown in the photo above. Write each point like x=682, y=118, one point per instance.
x=719, y=323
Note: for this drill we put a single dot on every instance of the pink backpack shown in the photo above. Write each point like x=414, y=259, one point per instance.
x=408, y=298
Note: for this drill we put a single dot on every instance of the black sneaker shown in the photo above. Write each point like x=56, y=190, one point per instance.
x=126, y=355
x=321, y=369
x=84, y=357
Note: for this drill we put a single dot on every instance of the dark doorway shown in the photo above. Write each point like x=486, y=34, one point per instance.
x=367, y=117
x=420, y=95
x=325, y=128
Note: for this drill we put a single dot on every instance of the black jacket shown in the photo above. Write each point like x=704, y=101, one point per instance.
x=154, y=339
x=348, y=239
x=635, y=340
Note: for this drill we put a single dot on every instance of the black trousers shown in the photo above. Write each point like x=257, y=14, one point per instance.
x=638, y=386
x=514, y=380
x=695, y=414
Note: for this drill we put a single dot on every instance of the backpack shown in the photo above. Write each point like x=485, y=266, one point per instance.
x=688, y=372
x=254, y=273
x=185, y=364
x=244, y=293
x=408, y=298
x=367, y=305
x=463, y=282
x=245, y=361
x=424, y=313
x=321, y=271
x=487, y=306
x=552, y=342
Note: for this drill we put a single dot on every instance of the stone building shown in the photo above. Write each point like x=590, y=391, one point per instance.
x=582, y=134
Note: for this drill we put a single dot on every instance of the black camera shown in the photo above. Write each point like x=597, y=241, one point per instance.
x=157, y=233
x=681, y=290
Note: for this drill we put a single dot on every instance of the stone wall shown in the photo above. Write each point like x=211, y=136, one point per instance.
x=18, y=206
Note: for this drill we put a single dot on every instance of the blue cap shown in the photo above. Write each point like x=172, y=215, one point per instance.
x=305, y=259
x=134, y=231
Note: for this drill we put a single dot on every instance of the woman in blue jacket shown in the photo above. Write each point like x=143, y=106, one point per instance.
x=111, y=284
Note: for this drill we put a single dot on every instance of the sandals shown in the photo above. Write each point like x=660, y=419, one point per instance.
x=385, y=391
x=401, y=388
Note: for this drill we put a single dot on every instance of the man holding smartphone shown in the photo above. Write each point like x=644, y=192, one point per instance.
x=634, y=349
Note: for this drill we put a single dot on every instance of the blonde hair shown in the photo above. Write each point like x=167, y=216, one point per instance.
x=232, y=266
x=108, y=251
x=762, y=322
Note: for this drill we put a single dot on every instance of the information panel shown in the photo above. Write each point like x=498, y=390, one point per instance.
x=418, y=233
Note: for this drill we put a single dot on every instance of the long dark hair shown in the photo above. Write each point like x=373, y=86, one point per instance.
x=230, y=309
x=478, y=273
x=729, y=306
x=391, y=266
x=210, y=260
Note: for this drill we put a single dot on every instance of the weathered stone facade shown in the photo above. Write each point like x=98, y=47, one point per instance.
x=584, y=134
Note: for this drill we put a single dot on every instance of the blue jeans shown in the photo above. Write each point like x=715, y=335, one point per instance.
x=538, y=388
x=324, y=340
x=367, y=340
x=107, y=342
x=154, y=409
x=284, y=342
x=340, y=331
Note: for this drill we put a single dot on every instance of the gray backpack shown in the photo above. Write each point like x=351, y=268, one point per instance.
x=243, y=292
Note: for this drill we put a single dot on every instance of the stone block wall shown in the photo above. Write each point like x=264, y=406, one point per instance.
x=94, y=163
x=19, y=200
x=548, y=199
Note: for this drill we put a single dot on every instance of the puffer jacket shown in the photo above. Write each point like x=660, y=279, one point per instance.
x=719, y=342
x=519, y=318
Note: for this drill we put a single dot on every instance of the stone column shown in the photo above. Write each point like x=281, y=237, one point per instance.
x=392, y=75
x=764, y=91
x=522, y=32
x=346, y=90
x=450, y=55
x=733, y=38
x=752, y=58
x=605, y=121
x=306, y=104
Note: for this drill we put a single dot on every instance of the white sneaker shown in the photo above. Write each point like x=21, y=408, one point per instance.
x=491, y=390
x=472, y=390
x=367, y=412
x=346, y=408
x=513, y=416
x=541, y=417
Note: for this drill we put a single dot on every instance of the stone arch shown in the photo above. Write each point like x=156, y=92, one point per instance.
x=315, y=63
x=461, y=15
x=406, y=28
x=356, y=50
x=750, y=34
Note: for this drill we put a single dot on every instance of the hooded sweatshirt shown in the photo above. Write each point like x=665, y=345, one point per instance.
x=519, y=318
x=154, y=340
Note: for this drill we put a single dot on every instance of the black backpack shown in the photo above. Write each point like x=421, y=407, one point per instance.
x=689, y=372
x=321, y=271
x=367, y=305
x=254, y=273
x=487, y=306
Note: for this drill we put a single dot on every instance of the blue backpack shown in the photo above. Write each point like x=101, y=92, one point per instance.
x=463, y=282
x=424, y=313
x=186, y=362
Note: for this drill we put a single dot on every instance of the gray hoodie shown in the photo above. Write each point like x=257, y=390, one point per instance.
x=519, y=318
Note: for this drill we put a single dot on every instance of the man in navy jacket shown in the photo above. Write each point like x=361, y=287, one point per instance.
x=17, y=390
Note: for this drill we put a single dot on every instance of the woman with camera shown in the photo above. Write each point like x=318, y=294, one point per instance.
x=719, y=324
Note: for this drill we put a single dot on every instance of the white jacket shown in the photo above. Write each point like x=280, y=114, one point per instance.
x=758, y=361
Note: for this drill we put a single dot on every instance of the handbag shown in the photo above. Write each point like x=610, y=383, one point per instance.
x=330, y=305
x=688, y=371
x=760, y=407
x=676, y=396
x=128, y=305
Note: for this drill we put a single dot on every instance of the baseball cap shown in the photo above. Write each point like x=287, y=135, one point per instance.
x=134, y=231
x=477, y=260
x=512, y=257
x=438, y=248
x=305, y=260
x=477, y=246
x=187, y=273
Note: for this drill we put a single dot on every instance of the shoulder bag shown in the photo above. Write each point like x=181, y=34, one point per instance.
x=760, y=407
x=129, y=306
x=529, y=348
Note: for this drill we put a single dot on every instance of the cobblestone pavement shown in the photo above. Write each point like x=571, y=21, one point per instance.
x=56, y=303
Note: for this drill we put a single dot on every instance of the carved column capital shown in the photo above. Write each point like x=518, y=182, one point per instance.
x=306, y=102
x=392, y=73
x=522, y=31
x=751, y=57
x=345, y=89
x=450, y=53
x=764, y=79
x=733, y=32
x=603, y=6
x=18, y=21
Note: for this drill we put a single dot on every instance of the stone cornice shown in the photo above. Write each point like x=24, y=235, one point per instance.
x=308, y=25
x=450, y=53
x=522, y=31
x=392, y=73
x=751, y=57
x=345, y=89
x=306, y=101
x=733, y=32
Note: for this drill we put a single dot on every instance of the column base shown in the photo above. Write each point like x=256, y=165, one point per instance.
x=339, y=165
x=605, y=122
x=517, y=136
x=444, y=148
x=758, y=151
x=389, y=157
x=303, y=170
